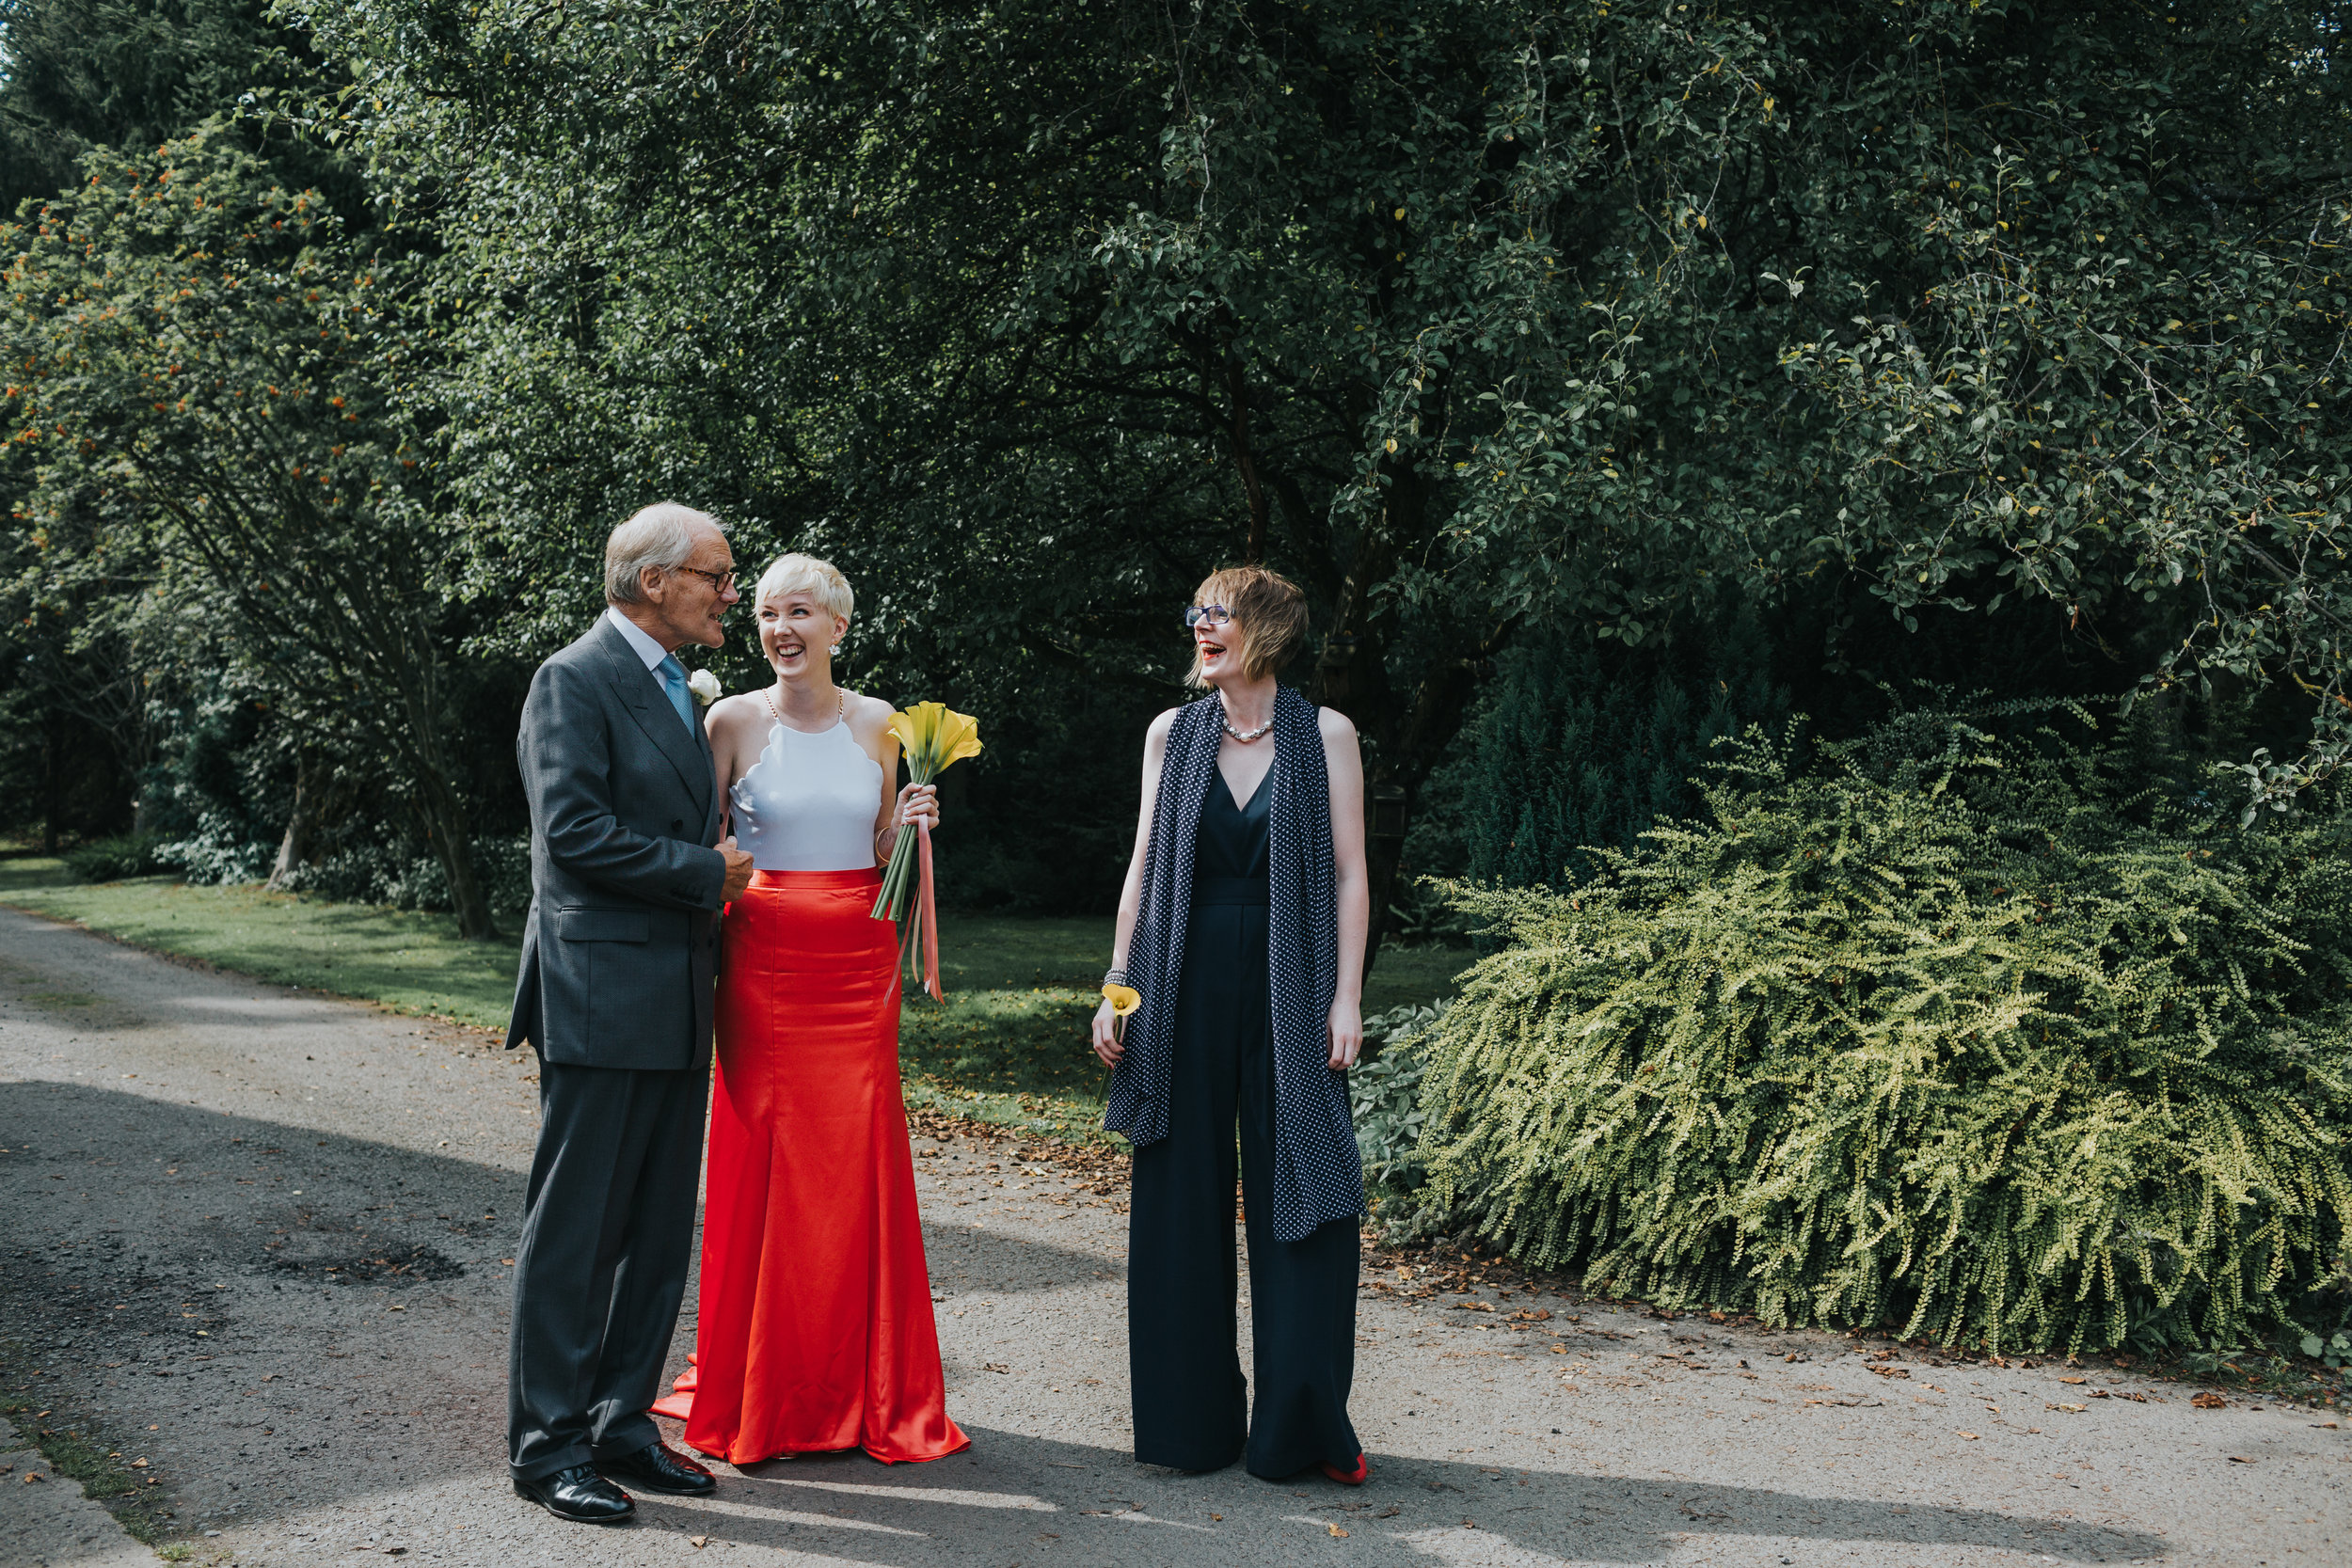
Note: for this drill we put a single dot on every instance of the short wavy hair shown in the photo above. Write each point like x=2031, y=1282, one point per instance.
x=1270, y=609
x=661, y=536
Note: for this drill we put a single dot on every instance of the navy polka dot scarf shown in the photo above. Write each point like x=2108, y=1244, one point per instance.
x=1318, y=1175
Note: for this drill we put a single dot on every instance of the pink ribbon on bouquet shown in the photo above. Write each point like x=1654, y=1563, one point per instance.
x=929, y=918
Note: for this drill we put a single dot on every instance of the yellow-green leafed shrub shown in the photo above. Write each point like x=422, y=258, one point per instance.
x=1950, y=1034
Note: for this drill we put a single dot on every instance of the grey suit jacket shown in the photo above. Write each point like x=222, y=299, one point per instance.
x=621, y=946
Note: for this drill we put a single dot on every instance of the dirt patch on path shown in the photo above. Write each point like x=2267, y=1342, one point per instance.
x=260, y=1244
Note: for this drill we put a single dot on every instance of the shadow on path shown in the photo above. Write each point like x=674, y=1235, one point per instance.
x=1013, y=1490
x=301, y=1318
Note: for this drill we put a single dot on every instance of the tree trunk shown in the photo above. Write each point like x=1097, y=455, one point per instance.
x=452, y=840
x=50, y=788
x=1352, y=675
x=1405, y=733
x=293, y=850
x=443, y=813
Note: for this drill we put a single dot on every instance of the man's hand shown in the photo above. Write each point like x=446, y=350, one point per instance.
x=739, y=870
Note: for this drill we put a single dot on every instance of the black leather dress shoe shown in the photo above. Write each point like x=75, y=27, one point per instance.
x=658, y=1467
x=580, y=1494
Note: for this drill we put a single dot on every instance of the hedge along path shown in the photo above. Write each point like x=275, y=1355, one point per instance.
x=1932, y=1039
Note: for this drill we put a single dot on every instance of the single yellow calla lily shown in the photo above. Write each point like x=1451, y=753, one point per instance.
x=1123, y=999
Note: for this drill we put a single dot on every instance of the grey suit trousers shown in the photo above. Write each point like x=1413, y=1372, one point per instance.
x=611, y=1208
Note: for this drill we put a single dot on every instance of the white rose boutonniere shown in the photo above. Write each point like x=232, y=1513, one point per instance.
x=704, y=685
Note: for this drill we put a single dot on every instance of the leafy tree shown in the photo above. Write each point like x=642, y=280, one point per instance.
x=967, y=300
x=2094, y=337
x=203, y=368
x=1474, y=318
x=132, y=74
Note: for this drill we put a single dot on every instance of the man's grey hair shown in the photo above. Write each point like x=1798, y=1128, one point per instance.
x=660, y=535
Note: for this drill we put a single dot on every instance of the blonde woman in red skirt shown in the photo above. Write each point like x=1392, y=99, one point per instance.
x=816, y=1331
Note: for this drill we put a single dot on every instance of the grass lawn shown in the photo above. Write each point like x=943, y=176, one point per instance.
x=1010, y=1045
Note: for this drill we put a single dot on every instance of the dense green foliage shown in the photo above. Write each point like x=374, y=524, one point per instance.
x=110, y=860
x=209, y=378
x=1997, y=1039
x=2012, y=331
x=132, y=74
x=1384, y=1095
x=1578, y=749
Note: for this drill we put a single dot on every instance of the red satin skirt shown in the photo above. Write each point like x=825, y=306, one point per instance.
x=816, y=1330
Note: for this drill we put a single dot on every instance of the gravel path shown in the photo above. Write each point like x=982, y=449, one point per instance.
x=255, y=1276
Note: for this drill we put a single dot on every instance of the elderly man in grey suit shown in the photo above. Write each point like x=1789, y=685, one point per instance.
x=627, y=876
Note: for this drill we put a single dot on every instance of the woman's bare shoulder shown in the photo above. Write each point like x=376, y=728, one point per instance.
x=742, y=712
x=868, y=718
x=1334, y=724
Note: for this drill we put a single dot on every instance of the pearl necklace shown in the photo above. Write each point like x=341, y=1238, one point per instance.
x=1244, y=736
x=840, y=707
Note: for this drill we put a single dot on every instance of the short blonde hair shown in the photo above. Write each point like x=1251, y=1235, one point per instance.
x=1270, y=609
x=805, y=573
x=661, y=536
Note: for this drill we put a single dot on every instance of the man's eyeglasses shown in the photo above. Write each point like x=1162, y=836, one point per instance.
x=1209, y=615
x=719, y=581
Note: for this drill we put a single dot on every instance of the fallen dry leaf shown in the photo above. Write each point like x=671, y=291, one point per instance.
x=1393, y=1510
x=1335, y=1529
x=2240, y=1459
x=995, y=1367
x=698, y=1542
x=32, y=1476
x=2209, y=1400
x=2070, y=1409
x=1889, y=1371
x=1967, y=1436
x=2070, y=1380
x=139, y=1465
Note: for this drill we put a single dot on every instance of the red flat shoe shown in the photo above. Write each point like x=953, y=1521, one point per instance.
x=1355, y=1476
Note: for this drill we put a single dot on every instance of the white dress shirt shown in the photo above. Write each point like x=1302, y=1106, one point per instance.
x=647, y=649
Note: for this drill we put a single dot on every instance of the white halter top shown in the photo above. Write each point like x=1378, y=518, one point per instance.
x=810, y=802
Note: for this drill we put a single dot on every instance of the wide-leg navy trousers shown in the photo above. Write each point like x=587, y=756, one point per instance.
x=1191, y=1399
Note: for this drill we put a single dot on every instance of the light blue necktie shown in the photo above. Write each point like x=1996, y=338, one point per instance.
x=673, y=675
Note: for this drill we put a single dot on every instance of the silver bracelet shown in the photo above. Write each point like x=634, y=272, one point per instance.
x=1114, y=976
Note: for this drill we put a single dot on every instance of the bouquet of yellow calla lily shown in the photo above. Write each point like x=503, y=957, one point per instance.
x=932, y=737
